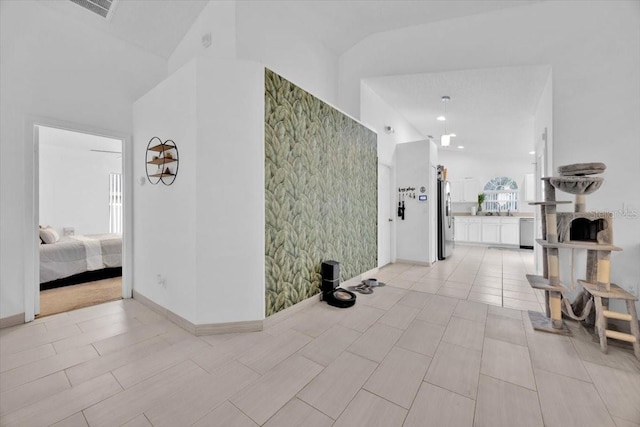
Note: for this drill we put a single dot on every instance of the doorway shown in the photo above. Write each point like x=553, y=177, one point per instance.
x=81, y=208
x=384, y=215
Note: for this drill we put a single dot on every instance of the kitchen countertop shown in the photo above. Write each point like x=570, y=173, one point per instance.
x=513, y=215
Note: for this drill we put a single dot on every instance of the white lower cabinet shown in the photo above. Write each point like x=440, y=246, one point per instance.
x=475, y=230
x=510, y=231
x=461, y=230
x=489, y=230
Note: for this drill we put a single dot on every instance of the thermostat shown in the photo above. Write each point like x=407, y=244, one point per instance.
x=422, y=197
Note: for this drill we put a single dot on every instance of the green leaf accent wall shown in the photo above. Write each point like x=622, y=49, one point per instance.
x=321, y=199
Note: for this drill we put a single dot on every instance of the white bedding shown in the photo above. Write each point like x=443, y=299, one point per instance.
x=93, y=251
x=77, y=254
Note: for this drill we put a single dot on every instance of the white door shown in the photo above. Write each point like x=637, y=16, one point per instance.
x=384, y=215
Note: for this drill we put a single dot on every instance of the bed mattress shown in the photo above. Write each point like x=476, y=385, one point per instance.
x=77, y=254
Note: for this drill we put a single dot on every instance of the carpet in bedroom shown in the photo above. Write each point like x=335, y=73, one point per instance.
x=69, y=298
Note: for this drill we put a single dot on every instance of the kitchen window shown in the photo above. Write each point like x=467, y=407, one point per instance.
x=501, y=194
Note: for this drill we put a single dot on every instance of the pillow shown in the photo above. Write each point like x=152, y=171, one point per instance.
x=49, y=235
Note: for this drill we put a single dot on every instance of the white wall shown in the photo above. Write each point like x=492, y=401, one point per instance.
x=230, y=191
x=303, y=61
x=205, y=232
x=413, y=169
x=74, y=188
x=217, y=18
x=376, y=114
x=543, y=120
x=593, y=49
x=482, y=168
x=164, y=223
x=249, y=31
x=50, y=67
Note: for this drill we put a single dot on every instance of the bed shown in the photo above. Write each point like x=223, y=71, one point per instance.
x=75, y=255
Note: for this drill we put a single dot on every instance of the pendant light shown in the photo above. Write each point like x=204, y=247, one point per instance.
x=445, y=139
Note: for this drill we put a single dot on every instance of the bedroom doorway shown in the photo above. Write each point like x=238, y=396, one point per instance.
x=80, y=218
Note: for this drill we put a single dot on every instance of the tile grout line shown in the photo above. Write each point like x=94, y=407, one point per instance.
x=592, y=382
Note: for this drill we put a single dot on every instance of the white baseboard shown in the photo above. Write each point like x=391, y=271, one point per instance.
x=16, y=319
x=245, y=326
x=200, y=329
x=229, y=327
x=287, y=312
x=408, y=261
x=315, y=299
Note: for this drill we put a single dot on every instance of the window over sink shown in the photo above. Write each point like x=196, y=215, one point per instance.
x=501, y=195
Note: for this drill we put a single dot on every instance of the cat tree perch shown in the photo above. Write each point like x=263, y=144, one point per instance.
x=580, y=229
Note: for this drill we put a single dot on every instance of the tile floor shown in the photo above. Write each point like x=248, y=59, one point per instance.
x=440, y=346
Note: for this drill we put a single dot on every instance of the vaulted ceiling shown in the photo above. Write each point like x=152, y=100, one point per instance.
x=340, y=24
x=489, y=108
x=159, y=25
x=156, y=26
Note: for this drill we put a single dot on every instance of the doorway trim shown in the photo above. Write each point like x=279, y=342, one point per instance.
x=32, y=205
x=390, y=205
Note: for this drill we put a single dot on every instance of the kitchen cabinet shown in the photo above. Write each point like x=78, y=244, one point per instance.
x=475, y=230
x=528, y=188
x=470, y=190
x=461, y=229
x=464, y=190
x=487, y=230
x=457, y=191
x=490, y=230
x=510, y=231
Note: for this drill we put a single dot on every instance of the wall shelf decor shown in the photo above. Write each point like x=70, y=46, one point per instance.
x=162, y=161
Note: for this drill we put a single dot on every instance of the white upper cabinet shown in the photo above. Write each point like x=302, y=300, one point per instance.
x=470, y=190
x=457, y=191
x=529, y=188
x=464, y=190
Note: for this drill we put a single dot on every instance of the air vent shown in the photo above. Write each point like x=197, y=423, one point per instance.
x=100, y=7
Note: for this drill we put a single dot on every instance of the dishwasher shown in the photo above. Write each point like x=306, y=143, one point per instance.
x=526, y=233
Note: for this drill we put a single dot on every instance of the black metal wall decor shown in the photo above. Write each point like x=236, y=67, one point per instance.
x=162, y=161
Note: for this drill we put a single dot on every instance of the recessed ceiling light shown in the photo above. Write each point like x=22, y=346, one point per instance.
x=453, y=135
x=532, y=152
x=461, y=147
x=441, y=118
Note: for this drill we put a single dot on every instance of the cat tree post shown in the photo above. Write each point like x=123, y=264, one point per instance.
x=581, y=204
x=554, y=297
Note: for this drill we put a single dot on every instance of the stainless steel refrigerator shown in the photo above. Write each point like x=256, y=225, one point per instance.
x=445, y=220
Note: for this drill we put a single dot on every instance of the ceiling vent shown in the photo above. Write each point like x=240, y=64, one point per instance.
x=103, y=8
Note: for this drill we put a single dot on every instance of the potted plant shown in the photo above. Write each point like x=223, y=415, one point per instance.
x=481, y=197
